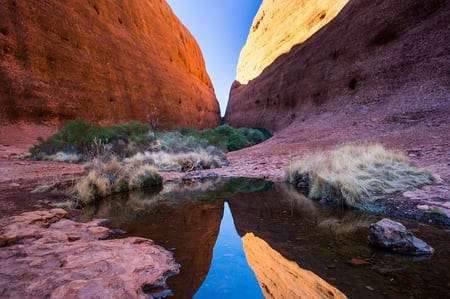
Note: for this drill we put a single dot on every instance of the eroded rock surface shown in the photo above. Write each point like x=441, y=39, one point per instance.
x=374, y=55
x=44, y=255
x=393, y=235
x=103, y=61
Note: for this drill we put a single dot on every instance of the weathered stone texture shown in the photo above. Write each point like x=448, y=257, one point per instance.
x=392, y=235
x=388, y=54
x=44, y=255
x=104, y=61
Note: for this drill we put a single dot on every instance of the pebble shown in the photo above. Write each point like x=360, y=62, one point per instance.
x=423, y=207
x=358, y=262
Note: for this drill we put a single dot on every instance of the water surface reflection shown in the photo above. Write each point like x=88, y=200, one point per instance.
x=229, y=275
x=301, y=233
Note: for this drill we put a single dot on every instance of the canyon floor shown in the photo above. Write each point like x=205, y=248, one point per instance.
x=426, y=142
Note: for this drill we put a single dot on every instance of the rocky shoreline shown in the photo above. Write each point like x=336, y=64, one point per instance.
x=429, y=204
x=47, y=255
x=19, y=180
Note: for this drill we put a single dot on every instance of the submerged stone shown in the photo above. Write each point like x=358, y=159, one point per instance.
x=392, y=235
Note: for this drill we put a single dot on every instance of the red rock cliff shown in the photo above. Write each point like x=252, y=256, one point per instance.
x=391, y=54
x=104, y=61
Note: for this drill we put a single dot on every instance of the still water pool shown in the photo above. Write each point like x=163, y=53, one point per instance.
x=242, y=238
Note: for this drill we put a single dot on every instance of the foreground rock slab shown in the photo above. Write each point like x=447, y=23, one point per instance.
x=44, y=255
x=392, y=235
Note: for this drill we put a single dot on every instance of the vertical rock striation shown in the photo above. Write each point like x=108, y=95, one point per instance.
x=103, y=61
x=372, y=54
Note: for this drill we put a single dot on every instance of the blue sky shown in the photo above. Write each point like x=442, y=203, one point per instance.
x=220, y=28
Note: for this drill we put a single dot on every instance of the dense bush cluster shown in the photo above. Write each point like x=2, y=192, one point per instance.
x=128, y=156
x=82, y=141
x=190, y=148
x=88, y=140
x=228, y=138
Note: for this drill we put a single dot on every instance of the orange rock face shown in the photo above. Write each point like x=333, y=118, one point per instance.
x=296, y=20
x=103, y=61
x=386, y=55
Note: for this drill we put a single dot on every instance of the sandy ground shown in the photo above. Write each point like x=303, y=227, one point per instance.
x=18, y=177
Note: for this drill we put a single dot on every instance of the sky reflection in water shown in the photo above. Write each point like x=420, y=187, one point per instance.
x=229, y=276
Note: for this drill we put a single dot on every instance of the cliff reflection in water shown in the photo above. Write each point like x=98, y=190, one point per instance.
x=283, y=233
x=281, y=278
x=229, y=276
x=183, y=217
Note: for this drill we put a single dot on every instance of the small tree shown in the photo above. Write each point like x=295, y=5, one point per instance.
x=154, y=119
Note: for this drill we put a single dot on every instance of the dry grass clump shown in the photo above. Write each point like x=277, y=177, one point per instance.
x=106, y=178
x=355, y=174
x=189, y=161
x=143, y=177
x=139, y=171
x=63, y=157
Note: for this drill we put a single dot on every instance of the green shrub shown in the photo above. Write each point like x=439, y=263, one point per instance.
x=212, y=137
x=236, y=142
x=225, y=131
x=130, y=130
x=225, y=136
x=266, y=133
x=355, y=175
x=82, y=141
x=254, y=136
x=85, y=139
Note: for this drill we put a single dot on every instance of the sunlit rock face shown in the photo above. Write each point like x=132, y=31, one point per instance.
x=281, y=278
x=277, y=27
x=104, y=61
x=372, y=55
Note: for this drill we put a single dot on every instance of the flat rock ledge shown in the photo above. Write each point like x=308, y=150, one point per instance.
x=45, y=255
x=394, y=236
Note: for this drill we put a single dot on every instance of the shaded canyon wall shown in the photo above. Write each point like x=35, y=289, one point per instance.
x=104, y=61
x=372, y=53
